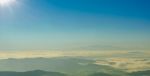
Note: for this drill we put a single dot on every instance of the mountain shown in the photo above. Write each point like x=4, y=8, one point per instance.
x=67, y=65
x=32, y=73
x=100, y=74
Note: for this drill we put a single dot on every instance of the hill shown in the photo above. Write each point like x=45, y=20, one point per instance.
x=32, y=73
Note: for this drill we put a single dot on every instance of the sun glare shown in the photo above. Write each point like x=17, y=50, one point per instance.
x=7, y=2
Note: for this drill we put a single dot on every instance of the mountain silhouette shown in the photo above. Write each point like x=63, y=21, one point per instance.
x=100, y=74
x=32, y=73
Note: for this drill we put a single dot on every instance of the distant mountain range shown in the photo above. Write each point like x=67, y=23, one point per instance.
x=46, y=73
x=67, y=65
x=32, y=73
x=61, y=66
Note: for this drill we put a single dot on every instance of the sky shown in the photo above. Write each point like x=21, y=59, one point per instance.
x=75, y=25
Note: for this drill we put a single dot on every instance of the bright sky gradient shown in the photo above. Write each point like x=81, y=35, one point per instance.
x=75, y=25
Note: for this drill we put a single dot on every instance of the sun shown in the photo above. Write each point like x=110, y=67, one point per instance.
x=7, y=2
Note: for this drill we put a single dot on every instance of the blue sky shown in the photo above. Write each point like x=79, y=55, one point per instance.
x=75, y=25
